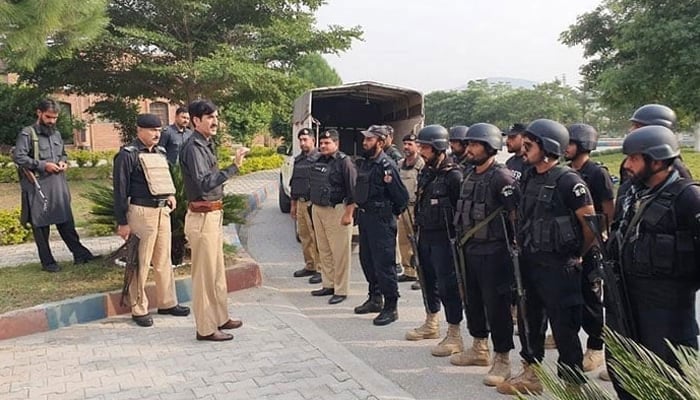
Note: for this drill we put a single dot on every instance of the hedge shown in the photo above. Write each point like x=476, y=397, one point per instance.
x=261, y=163
x=11, y=230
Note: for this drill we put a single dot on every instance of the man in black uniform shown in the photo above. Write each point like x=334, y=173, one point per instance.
x=514, y=143
x=174, y=135
x=142, y=205
x=582, y=140
x=657, y=240
x=553, y=236
x=438, y=190
x=300, y=192
x=381, y=197
x=488, y=192
x=41, y=158
x=458, y=145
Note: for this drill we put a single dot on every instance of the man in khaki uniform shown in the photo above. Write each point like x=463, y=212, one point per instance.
x=300, y=188
x=203, y=183
x=333, y=178
x=409, y=167
x=143, y=199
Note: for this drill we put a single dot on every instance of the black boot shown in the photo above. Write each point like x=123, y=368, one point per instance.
x=389, y=313
x=374, y=303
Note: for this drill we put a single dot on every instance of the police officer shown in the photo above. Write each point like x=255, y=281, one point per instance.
x=553, y=236
x=144, y=196
x=390, y=148
x=175, y=134
x=458, y=145
x=409, y=167
x=41, y=158
x=380, y=196
x=488, y=192
x=582, y=140
x=438, y=190
x=333, y=178
x=657, y=240
x=514, y=143
x=300, y=187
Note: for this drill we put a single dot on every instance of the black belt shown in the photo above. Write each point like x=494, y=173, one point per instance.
x=374, y=206
x=146, y=202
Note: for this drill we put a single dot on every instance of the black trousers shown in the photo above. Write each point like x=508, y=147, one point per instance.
x=554, y=292
x=378, y=252
x=489, y=296
x=592, y=320
x=440, y=279
x=70, y=238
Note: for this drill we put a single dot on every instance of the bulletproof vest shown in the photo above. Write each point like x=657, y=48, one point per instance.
x=433, y=206
x=300, y=184
x=550, y=227
x=477, y=201
x=656, y=247
x=157, y=172
x=409, y=177
x=369, y=186
x=323, y=193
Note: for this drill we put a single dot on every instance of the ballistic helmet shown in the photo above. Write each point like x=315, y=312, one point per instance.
x=487, y=134
x=458, y=132
x=552, y=135
x=654, y=114
x=434, y=135
x=585, y=136
x=658, y=142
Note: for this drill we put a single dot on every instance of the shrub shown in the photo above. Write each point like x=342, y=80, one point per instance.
x=82, y=174
x=224, y=154
x=5, y=160
x=81, y=157
x=261, y=151
x=9, y=175
x=11, y=230
x=261, y=163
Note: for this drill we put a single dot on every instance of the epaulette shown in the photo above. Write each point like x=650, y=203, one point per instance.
x=340, y=155
x=130, y=148
x=161, y=150
x=385, y=162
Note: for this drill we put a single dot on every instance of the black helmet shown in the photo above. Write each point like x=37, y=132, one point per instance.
x=553, y=135
x=658, y=142
x=458, y=132
x=434, y=135
x=654, y=114
x=584, y=135
x=487, y=134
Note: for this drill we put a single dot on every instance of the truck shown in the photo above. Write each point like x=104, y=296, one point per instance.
x=350, y=109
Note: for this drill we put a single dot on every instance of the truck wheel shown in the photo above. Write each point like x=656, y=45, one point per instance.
x=284, y=201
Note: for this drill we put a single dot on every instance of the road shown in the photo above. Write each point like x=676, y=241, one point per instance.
x=269, y=238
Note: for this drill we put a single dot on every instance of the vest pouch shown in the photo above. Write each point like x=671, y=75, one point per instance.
x=641, y=256
x=686, y=257
x=479, y=214
x=362, y=188
x=662, y=253
x=567, y=240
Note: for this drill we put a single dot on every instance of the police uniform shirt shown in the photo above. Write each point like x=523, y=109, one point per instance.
x=517, y=166
x=128, y=178
x=200, y=170
x=172, y=139
x=599, y=183
x=342, y=174
x=384, y=169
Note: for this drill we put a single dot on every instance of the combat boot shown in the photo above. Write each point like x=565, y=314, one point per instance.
x=389, y=313
x=452, y=343
x=592, y=359
x=604, y=375
x=429, y=330
x=374, y=303
x=500, y=370
x=478, y=354
x=526, y=382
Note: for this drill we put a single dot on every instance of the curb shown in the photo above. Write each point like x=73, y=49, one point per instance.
x=44, y=317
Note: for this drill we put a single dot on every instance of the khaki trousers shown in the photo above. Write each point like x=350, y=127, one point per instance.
x=152, y=226
x=334, y=241
x=404, y=246
x=209, y=292
x=305, y=229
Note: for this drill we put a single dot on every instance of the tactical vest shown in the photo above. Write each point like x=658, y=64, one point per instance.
x=323, y=193
x=300, y=184
x=477, y=201
x=656, y=247
x=369, y=186
x=551, y=227
x=433, y=206
x=157, y=172
x=409, y=177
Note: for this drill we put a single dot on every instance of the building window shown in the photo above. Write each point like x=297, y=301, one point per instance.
x=161, y=110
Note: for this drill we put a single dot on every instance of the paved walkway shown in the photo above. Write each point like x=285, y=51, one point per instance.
x=27, y=253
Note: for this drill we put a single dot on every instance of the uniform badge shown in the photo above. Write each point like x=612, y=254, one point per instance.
x=507, y=191
x=387, y=176
x=580, y=189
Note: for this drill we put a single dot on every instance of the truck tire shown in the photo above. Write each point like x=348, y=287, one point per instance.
x=284, y=201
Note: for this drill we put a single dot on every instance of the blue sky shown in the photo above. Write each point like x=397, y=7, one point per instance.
x=442, y=44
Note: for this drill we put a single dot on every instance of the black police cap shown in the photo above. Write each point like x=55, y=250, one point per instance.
x=411, y=137
x=148, y=121
x=330, y=134
x=304, y=131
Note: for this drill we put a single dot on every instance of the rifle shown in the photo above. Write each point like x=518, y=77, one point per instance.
x=32, y=179
x=614, y=286
x=129, y=251
x=514, y=252
x=415, y=261
x=458, y=263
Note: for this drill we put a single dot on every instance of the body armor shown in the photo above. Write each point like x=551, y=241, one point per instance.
x=300, y=184
x=157, y=172
x=409, y=177
x=550, y=227
x=433, y=206
x=322, y=192
x=476, y=202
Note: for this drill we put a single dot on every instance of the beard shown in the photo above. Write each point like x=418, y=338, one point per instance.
x=642, y=176
x=371, y=152
x=476, y=161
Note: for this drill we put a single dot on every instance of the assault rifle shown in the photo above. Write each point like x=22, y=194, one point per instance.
x=129, y=252
x=458, y=263
x=33, y=180
x=521, y=299
x=615, y=290
x=415, y=261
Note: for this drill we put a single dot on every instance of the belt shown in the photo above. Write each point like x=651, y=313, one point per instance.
x=146, y=202
x=204, y=206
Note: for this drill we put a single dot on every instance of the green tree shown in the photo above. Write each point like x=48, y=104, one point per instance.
x=642, y=51
x=314, y=69
x=33, y=29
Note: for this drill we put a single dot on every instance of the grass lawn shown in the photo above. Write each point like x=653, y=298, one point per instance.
x=690, y=159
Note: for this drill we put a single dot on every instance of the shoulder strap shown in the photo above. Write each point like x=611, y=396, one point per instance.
x=35, y=141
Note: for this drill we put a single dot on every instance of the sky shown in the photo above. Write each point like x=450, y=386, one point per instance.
x=442, y=44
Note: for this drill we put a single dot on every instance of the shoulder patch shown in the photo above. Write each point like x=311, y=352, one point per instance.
x=507, y=190
x=579, y=189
